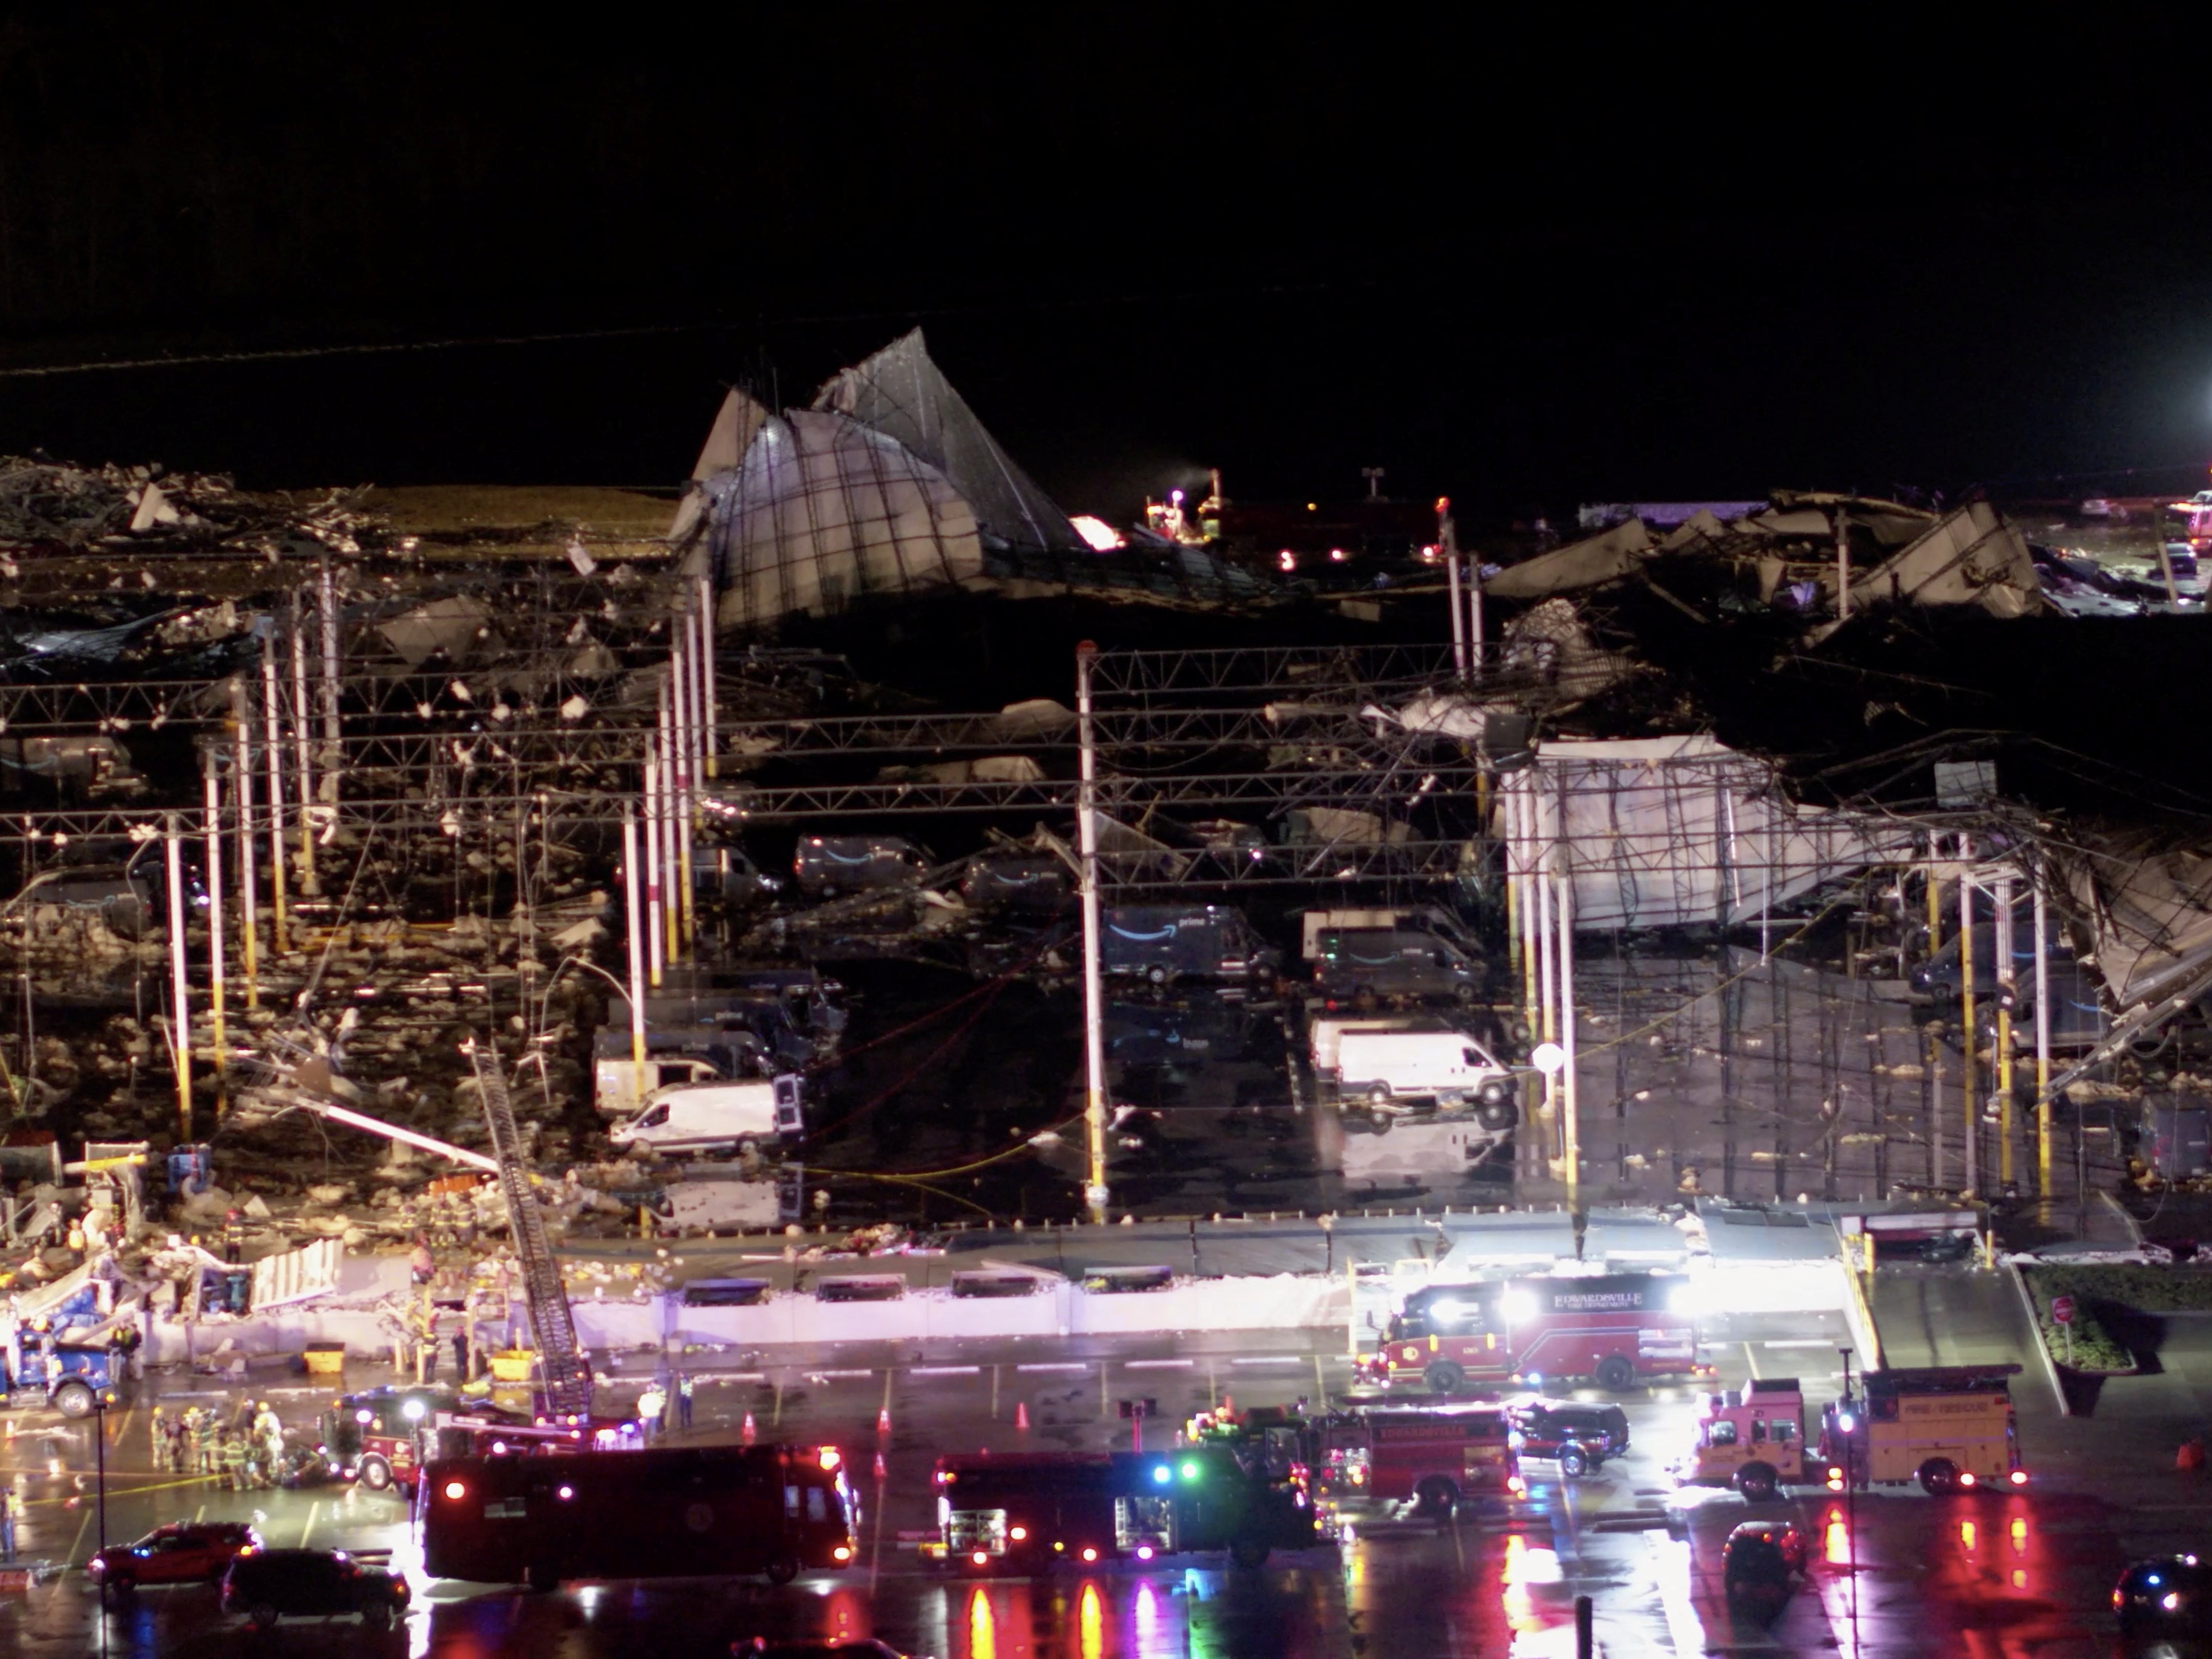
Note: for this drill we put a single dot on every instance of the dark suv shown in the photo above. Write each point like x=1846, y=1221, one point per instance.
x=265, y=1585
x=1579, y=1438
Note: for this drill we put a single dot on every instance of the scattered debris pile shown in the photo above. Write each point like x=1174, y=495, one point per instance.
x=47, y=505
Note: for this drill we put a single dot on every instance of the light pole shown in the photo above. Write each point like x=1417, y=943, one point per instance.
x=100, y=1461
x=1846, y=1414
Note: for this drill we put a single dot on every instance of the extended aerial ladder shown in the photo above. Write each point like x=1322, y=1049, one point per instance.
x=566, y=1373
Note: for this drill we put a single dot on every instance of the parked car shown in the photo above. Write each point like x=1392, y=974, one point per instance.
x=1578, y=1437
x=2170, y=1593
x=266, y=1585
x=826, y=866
x=181, y=1553
x=1756, y=1574
x=2188, y=578
x=1363, y=963
x=1165, y=942
x=1786, y=1535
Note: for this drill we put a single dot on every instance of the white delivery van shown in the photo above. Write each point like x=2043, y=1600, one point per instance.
x=1450, y=1068
x=713, y=1117
x=1325, y=1034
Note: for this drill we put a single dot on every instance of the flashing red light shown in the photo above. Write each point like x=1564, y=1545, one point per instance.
x=829, y=1457
x=981, y=1558
x=1144, y=1552
x=456, y=1489
x=2020, y=1477
x=1089, y=1553
x=842, y=1552
x=1965, y=1477
x=1017, y=1533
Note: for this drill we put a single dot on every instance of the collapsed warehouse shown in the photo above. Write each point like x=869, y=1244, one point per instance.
x=329, y=818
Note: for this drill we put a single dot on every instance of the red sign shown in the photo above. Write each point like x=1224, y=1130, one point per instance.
x=2062, y=1310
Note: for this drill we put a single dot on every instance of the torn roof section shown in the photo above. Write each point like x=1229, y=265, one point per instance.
x=1786, y=553
x=888, y=487
x=902, y=393
x=823, y=512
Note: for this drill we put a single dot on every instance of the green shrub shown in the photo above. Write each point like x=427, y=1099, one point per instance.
x=2091, y=1285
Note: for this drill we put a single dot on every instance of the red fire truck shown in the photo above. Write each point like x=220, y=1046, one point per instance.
x=680, y=1512
x=1439, y=1456
x=382, y=1437
x=1616, y=1329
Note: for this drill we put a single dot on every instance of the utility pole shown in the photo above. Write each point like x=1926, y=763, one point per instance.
x=273, y=737
x=213, y=804
x=1095, y=1193
x=1447, y=547
x=1570, y=1096
x=2042, y=1039
x=630, y=883
x=707, y=665
x=303, y=746
x=1843, y=565
x=181, y=1007
x=2006, y=988
x=1967, y=1066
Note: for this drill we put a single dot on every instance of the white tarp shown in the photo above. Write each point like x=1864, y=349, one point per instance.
x=1661, y=832
x=822, y=511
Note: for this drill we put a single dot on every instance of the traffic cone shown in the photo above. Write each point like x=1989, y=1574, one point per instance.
x=880, y=1470
x=746, y=1434
x=884, y=1421
x=1021, y=1414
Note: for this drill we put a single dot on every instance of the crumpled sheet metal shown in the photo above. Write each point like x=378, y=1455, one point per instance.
x=2151, y=917
x=1975, y=555
x=1569, y=569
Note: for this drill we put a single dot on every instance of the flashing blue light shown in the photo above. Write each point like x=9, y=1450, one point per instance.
x=1846, y=1422
x=1162, y=1474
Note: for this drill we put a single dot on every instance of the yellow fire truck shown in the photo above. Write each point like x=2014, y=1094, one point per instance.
x=1950, y=1428
x=1753, y=1439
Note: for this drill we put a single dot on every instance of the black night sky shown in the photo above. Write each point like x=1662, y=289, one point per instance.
x=1528, y=268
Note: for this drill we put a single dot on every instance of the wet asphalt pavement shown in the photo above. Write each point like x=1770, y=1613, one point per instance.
x=2017, y=1574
